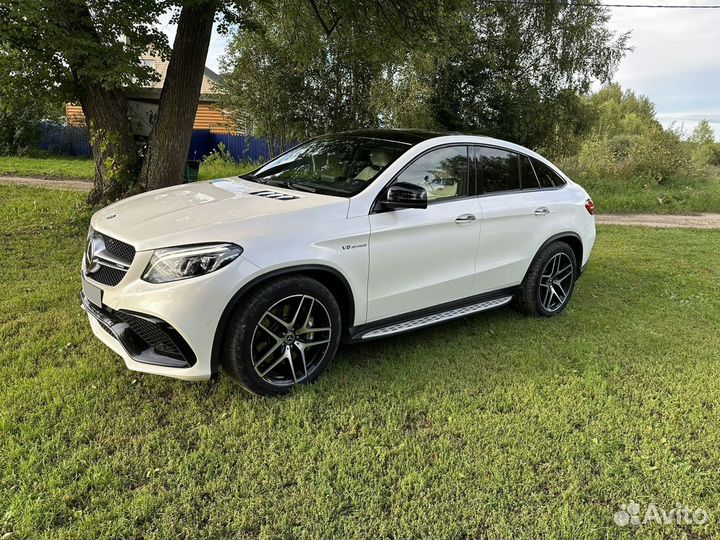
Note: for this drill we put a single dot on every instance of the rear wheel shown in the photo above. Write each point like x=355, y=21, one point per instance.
x=550, y=281
x=285, y=333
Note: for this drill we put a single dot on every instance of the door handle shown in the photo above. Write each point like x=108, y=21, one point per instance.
x=465, y=218
x=542, y=211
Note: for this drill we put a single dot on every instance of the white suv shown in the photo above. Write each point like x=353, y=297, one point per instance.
x=347, y=237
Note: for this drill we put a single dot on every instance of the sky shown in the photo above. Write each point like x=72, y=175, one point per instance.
x=675, y=61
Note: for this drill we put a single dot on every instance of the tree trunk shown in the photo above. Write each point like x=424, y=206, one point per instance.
x=116, y=158
x=271, y=145
x=169, y=142
x=106, y=111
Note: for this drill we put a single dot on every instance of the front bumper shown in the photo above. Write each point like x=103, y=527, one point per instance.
x=143, y=322
x=147, y=340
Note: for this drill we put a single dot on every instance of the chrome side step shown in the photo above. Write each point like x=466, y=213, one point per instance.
x=437, y=317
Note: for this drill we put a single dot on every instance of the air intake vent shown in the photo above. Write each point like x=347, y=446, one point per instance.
x=274, y=195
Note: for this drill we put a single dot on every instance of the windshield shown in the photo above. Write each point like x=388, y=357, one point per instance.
x=341, y=166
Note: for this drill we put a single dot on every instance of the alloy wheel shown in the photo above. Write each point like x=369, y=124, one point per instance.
x=290, y=340
x=556, y=282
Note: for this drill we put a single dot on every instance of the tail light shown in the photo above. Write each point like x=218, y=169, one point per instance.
x=590, y=206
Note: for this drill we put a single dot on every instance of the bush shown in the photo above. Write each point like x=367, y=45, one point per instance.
x=19, y=129
x=221, y=154
x=656, y=155
x=704, y=155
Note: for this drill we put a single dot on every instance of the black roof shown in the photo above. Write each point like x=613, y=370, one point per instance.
x=407, y=136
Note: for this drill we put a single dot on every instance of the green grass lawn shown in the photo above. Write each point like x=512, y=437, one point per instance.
x=492, y=426
x=47, y=167
x=678, y=196
x=84, y=168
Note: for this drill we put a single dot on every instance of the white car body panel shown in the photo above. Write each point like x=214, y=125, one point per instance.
x=394, y=262
x=421, y=258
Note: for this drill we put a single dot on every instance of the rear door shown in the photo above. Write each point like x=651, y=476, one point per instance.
x=517, y=216
x=422, y=258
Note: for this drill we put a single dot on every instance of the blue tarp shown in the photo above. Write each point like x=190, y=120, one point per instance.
x=240, y=147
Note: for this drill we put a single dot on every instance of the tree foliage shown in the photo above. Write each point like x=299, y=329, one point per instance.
x=705, y=151
x=615, y=112
x=89, y=51
x=20, y=124
x=506, y=69
x=625, y=140
x=301, y=68
x=703, y=133
x=57, y=46
x=514, y=70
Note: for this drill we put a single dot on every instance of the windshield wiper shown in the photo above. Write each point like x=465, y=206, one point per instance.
x=300, y=187
x=289, y=184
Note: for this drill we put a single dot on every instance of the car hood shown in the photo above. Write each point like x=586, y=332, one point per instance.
x=223, y=210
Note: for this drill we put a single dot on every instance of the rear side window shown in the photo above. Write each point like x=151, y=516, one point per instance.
x=497, y=170
x=527, y=174
x=546, y=176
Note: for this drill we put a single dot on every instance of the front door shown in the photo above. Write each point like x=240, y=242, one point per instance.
x=424, y=257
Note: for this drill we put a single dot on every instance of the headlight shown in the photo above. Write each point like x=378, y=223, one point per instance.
x=172, y=264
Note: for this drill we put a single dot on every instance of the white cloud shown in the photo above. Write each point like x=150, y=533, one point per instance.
x=675, y=61
x=667, y=42
x=712, y=117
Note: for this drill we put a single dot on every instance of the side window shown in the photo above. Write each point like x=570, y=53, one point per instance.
x=498, y=170
x=442, y=172
x=527, y=174
x=546, y=176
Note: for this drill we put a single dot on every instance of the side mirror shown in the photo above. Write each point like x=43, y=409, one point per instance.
x=405, y=195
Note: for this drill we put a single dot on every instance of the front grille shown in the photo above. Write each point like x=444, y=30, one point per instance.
x=107, y=275
x=120, y=249
x=108, y=253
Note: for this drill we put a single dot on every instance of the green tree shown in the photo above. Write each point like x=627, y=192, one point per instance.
x=301, y=68
x=624, y=139
x=88, y=51
x=20, y=123
x=513, y=69
x=507, y=69
x=705, y=151
x=615, y=112
x=703, y=133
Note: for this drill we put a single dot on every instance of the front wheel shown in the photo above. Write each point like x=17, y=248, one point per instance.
x=550, y=281
x=283, y=334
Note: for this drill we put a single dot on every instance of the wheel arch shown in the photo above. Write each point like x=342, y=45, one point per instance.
x=572, y=239
x=328, y=276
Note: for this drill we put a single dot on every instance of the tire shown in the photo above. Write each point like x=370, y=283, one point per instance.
x=293, y=315
x=549, y=282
